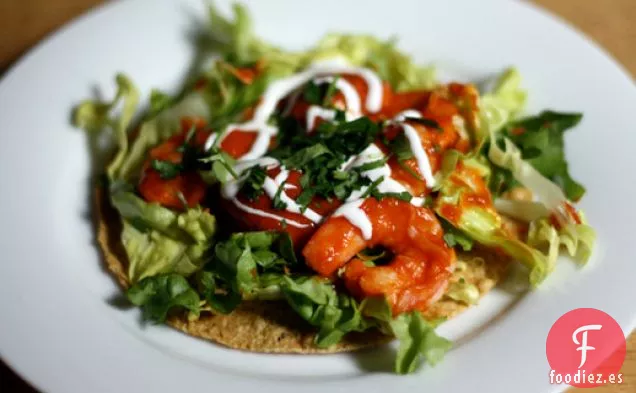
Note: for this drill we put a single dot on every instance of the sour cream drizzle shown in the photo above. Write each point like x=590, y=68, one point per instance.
x=351, y=210
x=278, y=90
x=283, y=87
x=351, y=96
x=271, y=187
x=415, y=143
x=315, y=112
x=265, y=214
x=231, y=188
x=259, y=124
x=352, y=103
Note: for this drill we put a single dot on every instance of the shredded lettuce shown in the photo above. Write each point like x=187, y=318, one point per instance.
x=216, y=292
x=247, y=266
x=541, y=141
x=416, y=335
x=160, y=294
x=158, y=240
x=316, y=300
x=94, y=116
x=382, y=56
x=160, y=128
x=578, y=240
x=553, y=200
x=521, y=210
x=482, y=223
x=506, y=101
x=497, y=109
x=150, y=252
x=236, y=40
x=541, y=138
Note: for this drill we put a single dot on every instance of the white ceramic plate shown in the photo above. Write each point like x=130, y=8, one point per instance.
x=59, y=329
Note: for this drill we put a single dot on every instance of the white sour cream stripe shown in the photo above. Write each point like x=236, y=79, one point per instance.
x=271, y=187
x=265, y=214
x=231, y=188
x=415, y=142
x=352, y=103
x=281, y=88
x=315, y=112
x=351, y=209
x=357, y=217
x=351, y=96
x=420, y=155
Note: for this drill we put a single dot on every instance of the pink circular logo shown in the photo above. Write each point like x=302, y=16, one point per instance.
x=585, y=348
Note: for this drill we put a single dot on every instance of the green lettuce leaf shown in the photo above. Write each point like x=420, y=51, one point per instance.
x=316, y=301
x=218, y=295
x=158, y=240
x=417, y=338
x=578, y=240
x=454, y=237
x=249, y=264
x=540, y=140
x=416, y=335
x=506, y=101
x=383, y=57
x=95, y=116
x=499, y=108
x=158, y=129
x=159, y=101
x=484, y=225
x=237, y=42
x=525, y=211
x=160, y=294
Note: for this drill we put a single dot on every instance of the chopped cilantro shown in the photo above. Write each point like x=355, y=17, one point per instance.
x=253, y=186
x=372, y=165
x=403, y=196
x=278, y=203
x=167, y=170
x=312, y=93
x=430, y=123
x=321, y=154
x=304, y=156
x=401, y=147
x=220, y=164
x=321, y=93
x=331, y=90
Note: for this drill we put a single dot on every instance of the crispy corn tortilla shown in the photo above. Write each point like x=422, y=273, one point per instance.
x=271, y=326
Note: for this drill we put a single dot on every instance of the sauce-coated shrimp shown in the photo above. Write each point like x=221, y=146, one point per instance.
x=187, y=184
x=419, y=271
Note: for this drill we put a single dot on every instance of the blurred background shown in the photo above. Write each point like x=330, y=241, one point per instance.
x=611, y=23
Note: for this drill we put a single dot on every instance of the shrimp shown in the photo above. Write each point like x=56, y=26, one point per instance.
x=452, y=108
x=422, y=264
x=189, y=184
x=254, y=222
x=299, y=108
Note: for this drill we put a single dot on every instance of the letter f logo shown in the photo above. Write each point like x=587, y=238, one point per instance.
x=583, y=344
